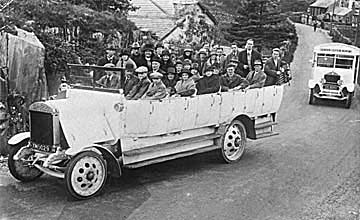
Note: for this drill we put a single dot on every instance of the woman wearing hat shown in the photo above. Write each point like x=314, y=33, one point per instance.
x=148, y=53
x=141, y=87
x=125, y=59
x=157, y=89
x=166, y=62
x=212, y=61
x=170, y=80
x=185, y=86
x=135, y=53
x=209, y=83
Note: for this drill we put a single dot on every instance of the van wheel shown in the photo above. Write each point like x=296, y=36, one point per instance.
x=348, y=100
x=312, y=97
x=21, y=169
x=86, y=175
x=233, y=142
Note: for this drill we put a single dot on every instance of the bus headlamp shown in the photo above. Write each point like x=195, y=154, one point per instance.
x=322, y=80
x=340, y=82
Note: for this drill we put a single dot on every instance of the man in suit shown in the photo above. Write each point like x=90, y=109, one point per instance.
x=272, y=68
x=110, y=57
x=111, y=80
x=256, y=78
x=234, y=55
x=247, y=58
x=130, y=79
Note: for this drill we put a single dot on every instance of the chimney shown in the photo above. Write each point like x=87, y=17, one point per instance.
x=183, y=7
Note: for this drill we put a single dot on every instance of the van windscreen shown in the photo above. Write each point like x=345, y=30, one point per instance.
x=344, y=62
x=325, y=60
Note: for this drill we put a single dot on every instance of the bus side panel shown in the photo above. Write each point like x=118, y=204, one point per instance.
x=175, y=115
x=190, y=113
x=239, y=104
x=159, y=117
x=137, y=117
x=250, y=100
x=227, y=106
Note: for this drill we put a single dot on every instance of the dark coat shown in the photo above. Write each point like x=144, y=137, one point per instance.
x=111, y=82
x=270, y=70
x=208, y=85
x=244, y=61
x=170, y=84
x=155, y=91
x=228, y=82
x=144, y=62
x=256, y=80
x=139, y=89
x=164, y=66
x=101, y=62
x=130, y=83
x=137, y=59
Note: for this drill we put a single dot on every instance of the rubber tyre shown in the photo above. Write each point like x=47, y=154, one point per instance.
x=18, y=170
x=348, y=100
x=83, y=172
x=233, y=142
x=311, y=97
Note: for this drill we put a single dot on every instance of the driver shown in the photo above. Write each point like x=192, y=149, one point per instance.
x=110, y=80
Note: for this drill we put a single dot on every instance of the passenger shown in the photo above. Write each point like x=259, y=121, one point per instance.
x=135, y=53
x=178, y=67
x=147, y=56
x=221, y=59
x=111, y=79
x=125, y=59
x=130, y=79
x=170, y=80
x=231, y=80
x=235, y=62
x=110, y=57
x=272, y=68
x=195, y=72
x=188, y=54
x=234, y=55
x=141, y=87
x=210, y=83
x=159, y=48
x=155, y=65
x=202, y=60
x=187, y=64
x=256, y=78
x=185, y=86
x=212, y=61
x=247, y=58
x=166, y=61
x=157, y=89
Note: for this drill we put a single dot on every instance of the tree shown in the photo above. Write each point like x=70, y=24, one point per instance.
x=262, y=21
x=71, y=28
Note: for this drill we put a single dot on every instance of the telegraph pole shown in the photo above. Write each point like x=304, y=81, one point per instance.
x=357, y=25
x=332, y=17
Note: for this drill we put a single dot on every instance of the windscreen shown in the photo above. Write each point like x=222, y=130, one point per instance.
x=344, y=61
x=325, y=60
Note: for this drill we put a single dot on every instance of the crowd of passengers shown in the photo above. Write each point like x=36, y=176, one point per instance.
x=155, y=72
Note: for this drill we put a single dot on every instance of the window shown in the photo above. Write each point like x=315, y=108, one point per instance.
x=344, y=63
x=325, y=60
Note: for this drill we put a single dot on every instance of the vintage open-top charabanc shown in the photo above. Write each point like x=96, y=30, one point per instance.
x=87, y=133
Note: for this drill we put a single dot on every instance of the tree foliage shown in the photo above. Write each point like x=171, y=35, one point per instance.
x=262, y=21
x=71, y=28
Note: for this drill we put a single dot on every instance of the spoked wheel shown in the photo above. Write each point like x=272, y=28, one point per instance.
x=86, y=175
x=22, y=169
x=233, y=142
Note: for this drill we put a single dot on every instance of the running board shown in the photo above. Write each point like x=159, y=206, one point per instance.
x=172, y=157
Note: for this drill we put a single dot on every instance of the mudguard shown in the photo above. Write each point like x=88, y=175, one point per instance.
x=350, y=87
x=18, y=138
x=311, y=84
x=112, y=163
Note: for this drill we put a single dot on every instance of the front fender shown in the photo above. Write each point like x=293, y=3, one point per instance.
x=350, y=87
x=112, y=163
x=18, y=138
x=311, y=84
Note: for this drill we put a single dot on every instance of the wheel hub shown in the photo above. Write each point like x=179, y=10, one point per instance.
x=233, y=146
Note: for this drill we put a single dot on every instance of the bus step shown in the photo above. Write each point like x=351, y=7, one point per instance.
x=267, y=134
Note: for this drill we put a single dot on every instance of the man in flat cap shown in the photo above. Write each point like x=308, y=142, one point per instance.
x=141, y=87
x=230, y=80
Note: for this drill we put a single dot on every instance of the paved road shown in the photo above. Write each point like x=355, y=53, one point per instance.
x=279, y=178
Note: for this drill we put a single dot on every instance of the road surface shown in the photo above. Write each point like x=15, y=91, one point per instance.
x=280, y=178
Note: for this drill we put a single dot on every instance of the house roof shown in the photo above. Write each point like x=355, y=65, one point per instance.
x=340, y=11
x=322, y=4
x=158, y=16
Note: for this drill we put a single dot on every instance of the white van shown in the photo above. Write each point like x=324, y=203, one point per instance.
x=335, y=71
